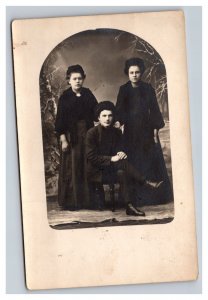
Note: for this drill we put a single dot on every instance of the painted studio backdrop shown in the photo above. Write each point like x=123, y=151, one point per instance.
x=102, y=54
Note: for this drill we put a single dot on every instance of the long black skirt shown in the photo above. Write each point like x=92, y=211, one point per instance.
x=72, y=185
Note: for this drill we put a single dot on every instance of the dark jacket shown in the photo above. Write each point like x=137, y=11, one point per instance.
x=68, y=112
x=101, y=145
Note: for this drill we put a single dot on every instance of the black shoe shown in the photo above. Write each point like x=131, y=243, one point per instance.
x=132, y=211
x=141, y=213
x=153, y=184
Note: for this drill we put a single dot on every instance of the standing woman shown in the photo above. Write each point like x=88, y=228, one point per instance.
x=138, y=110
x=75, y=115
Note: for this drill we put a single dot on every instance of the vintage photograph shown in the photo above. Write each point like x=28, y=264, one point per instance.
x=106, y=132
x=104, y=146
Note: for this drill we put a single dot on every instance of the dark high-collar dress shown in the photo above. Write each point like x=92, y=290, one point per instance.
x=137, y=108
x=75, y=115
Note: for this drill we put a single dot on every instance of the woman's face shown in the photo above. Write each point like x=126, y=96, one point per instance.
x=76, y=81
x=134, y=74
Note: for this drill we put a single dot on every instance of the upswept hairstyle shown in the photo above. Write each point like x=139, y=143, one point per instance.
x=75, y=69
x=134, y=61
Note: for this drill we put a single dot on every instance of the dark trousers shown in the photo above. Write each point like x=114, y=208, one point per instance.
x=125, y=174
x=128, y=177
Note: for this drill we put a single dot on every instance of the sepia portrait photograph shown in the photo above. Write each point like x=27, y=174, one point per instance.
x=105, y=126
x=104, y=145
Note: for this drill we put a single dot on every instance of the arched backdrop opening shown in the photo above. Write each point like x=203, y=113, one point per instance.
x=102, y=53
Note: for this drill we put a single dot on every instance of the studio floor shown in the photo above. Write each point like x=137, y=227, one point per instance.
x=65, y=219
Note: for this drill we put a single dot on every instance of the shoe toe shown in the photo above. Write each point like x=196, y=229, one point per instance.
x=141, y=213
x=132, y=211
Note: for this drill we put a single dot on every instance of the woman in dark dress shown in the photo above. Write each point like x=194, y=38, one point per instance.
x=138, y=110
x=75, y=115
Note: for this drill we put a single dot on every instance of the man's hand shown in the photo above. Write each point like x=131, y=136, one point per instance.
x=122, y=155
x=119, y=156
x=115, y=158
x=117, y=124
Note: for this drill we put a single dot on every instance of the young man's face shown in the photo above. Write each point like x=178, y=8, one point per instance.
x=106, y=118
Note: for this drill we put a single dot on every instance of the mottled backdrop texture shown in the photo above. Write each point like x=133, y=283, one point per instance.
x=101, y=53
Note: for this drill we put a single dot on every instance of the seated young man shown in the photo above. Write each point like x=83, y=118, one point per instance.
x=107, y=160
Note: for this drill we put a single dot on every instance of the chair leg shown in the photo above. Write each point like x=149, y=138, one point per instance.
x=112, y=196
x=101, y=196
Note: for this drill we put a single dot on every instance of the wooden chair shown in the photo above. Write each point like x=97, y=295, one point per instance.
x=98, y=194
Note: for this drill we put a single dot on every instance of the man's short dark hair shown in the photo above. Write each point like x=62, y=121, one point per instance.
x=104, y=105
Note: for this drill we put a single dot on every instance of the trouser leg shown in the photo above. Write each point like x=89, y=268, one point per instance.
x=131, y=172
x=127, y=187
x=124, y=185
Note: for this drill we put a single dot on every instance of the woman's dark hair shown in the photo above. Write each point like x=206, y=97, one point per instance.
x=135, y=61
x=75, y=69
x=104, y=105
